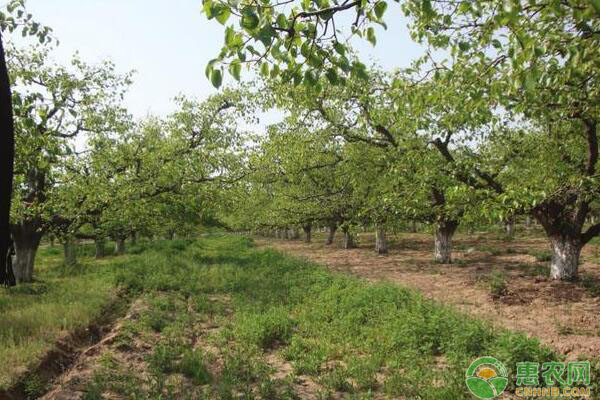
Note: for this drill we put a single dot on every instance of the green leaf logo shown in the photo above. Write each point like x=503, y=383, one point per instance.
x=486, y=378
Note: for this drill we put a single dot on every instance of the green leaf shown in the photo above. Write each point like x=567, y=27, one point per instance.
x=249, y=22
x=282, y=21
x=339, y=48
x=235, y=70
x=380, y=8
x=371, y=36
x=216, y=78
x=264, y=69
x=332, y=76
x=596, y=5
x=223, y=16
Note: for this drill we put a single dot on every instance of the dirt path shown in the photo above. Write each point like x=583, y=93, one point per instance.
x=563, y=315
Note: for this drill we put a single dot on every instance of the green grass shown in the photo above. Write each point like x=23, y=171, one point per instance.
x=35, y=315
x=347, y=335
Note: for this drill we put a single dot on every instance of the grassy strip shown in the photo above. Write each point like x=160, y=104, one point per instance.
x=346, y=334
x=34, y=316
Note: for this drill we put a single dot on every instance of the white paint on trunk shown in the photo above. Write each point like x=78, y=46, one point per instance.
x=565, y=258
x=443, y=242
x=348, y=240
x=381, y=246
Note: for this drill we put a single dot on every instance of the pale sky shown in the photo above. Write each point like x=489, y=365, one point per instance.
x=169, y=43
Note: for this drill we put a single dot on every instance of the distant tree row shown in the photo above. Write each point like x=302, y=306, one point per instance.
x=505, y=126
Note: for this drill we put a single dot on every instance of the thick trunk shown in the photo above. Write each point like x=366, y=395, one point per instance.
x=528, y=221
x=381, y=246
x=348, y=239
x=70, y=251
x=565, y=258
x=7, y=154
x=443, y=241
x=331, y=236
x=100, y=248
x=120, y=246
x=308, y=233
x=27, y=240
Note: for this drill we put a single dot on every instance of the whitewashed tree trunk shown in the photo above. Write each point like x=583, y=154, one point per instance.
x=565, y=258
x=509, y=227
x=70, y=251
x=413, y=227
x=381, y=246
x=27, y=239
x=348, y=239
x=444, y=232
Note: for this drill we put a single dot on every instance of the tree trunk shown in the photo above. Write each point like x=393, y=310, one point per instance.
x=528, y=221
x=509, y=227
x=565, y=258
x=331, y=236
x=134, y=238
x=70, y=251
x=443, y=241
x=296, y=233
x=100, y=248
x=285, y=233
x=381, y=246
x=308, y=233
x=120, y=246
x=348, y=239
x=27, y=238
x=7, y=155
x=413, y=227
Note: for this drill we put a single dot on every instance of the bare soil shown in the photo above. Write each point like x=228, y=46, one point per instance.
x=563, y=315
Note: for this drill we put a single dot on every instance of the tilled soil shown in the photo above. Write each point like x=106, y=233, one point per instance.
x=562, y=315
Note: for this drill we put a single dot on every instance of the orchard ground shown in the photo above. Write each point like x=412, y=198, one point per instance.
x=500, y=279
x=218, y=317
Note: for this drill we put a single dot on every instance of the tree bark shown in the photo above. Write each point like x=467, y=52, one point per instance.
x=413, y=227
x=509, y=227
x=331, y=236
x=348, y=239
x=444, y=231
x=7, y=156
x=120, y=246
x=381, y=246
x=565, y=258
x=100, y=253
x=296, y=233
x=134, y=238
x=70, y=251
x=27, y=236
x=285, y=233
x=307, y=233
